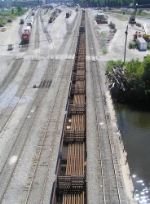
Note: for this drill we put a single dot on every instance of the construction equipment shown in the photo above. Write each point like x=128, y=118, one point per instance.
x=146, y=36
x=132, y=17
x=112, y=25
x=101, y=19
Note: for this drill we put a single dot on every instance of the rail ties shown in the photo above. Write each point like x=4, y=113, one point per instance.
x=70, y=186
x=45, y=84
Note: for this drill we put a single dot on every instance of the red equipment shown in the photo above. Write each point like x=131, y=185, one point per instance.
x=25, y=36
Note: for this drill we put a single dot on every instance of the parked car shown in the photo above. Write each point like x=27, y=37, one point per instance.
x=10, y=47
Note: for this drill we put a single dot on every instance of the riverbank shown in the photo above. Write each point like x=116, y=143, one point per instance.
x=122, y=154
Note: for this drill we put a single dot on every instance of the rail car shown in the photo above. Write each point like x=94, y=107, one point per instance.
x=22, y=20
x=70, y=185
x=25, y=37
x=68, y=14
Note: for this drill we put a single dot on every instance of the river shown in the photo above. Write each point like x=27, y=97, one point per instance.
x=135, y=130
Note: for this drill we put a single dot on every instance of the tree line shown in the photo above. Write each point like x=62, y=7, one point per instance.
x=111, y=3
x=133, y=78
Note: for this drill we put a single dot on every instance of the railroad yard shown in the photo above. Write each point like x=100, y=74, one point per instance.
x=59, y=139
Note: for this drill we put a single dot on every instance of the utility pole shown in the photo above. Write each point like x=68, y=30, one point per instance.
x=126, y=33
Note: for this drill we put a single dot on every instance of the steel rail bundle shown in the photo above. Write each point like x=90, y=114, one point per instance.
x=70, y=185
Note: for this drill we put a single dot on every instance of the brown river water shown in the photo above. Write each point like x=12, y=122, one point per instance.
x=135, y=130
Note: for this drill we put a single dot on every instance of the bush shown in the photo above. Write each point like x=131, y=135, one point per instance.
x=104, y=51
x=139, y=11
x=130, y=45
x=134, y=68
x=103, y=34
x=148, y=46
x=138, y=24
x=133, y=45
x=146, y=66
x=111, y=64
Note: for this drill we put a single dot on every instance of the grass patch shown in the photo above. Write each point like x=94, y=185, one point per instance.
x=8, y=63
x=103, y=34
x=104, y=51
x=45, y=11
x=138, y=13
x=7, y=16
x=111, y=64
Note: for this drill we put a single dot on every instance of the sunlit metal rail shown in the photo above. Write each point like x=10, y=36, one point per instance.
x=70, y=185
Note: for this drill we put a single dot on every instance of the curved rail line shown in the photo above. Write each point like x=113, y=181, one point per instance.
x=11, y=74
x=113, y=190
x=37, y=33
x=74, y=25
x=49, y=39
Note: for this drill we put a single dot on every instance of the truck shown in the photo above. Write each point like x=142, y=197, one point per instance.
x=100, y=18
x=142, y=44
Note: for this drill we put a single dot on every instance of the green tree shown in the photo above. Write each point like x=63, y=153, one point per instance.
x=12, y=11
x=146, y=66
x=19, y=9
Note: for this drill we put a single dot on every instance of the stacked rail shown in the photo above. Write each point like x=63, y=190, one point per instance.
x=70, y=185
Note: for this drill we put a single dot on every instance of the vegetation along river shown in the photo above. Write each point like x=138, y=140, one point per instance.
x=135, y=130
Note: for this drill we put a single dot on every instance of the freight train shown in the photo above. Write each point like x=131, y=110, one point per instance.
x=27, y=31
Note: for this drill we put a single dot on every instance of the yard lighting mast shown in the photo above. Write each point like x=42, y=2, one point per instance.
x=126, y=33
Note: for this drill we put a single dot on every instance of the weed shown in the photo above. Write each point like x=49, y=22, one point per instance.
x=8, y=63
x=105, y=51
x=103, y=34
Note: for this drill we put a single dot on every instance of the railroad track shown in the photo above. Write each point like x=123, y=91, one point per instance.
x=112, y=188
x=7, y=111
x=20, y=30
x=44, y=28
x=11, y=74
x=19, y=142
x=46, y=155
x=16, y=148
x=72, y=27
x=37, y=33
x=70, y=30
